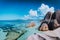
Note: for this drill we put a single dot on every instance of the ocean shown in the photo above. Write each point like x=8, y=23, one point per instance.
x=17, y=25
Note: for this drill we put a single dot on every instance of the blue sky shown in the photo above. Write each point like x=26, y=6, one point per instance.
x=19, y=9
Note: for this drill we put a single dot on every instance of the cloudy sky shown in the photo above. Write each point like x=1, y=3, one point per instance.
x=26, y=9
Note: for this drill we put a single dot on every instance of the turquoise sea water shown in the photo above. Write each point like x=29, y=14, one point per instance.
x=28, y=33
x=17, y=25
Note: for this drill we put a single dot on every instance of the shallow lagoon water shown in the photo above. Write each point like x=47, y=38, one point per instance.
x=21, y=26
x=30, y=31
x=2, y=34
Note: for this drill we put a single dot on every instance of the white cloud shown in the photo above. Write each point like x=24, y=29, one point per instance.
x=33, y=12
x=51, y=9
x=26, y=17
x=43, y=9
